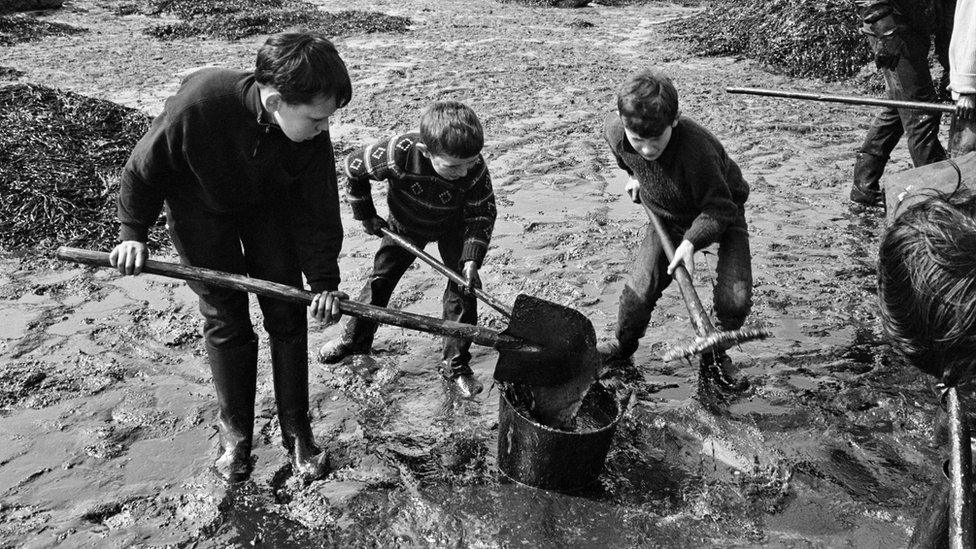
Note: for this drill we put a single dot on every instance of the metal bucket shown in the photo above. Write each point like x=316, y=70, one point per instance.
x=542, y=457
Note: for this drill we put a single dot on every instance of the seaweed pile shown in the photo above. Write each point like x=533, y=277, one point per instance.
x=60, y=157
x=236, y=19
x=800, y=38
x=23, y=28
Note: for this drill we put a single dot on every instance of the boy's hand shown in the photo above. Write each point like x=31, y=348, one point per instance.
x=471, y=278
x=633, y=190
x=325, y=306
x=373, y=225
x=966, y=106
x=129, y=257
x=685, y=253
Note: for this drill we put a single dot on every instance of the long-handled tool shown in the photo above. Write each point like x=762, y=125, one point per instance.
x=554, y=400
x=446, y=271
x=708, y=337
x=847, y=99
x=544, y=343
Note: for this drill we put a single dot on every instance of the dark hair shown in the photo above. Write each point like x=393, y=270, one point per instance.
x=927, y=285
x=647, y=102
x=451, y=127
x=302, y=66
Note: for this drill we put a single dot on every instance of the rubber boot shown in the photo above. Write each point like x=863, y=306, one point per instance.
x=235, y=378
x=866, y=189
x=289, y=367
x=716, y=366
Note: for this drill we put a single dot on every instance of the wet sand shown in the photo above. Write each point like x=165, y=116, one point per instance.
x=106, y=406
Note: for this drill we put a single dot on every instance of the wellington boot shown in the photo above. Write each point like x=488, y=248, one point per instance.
x=866, y=189
x=716, y=366
x=289, y=366
x=338, y=349
x=235, y=378
x=468, y=386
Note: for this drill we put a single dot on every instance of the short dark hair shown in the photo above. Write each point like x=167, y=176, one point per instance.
x=302, y=66
x=647, y=102
x=927, y=285
x=452, y=128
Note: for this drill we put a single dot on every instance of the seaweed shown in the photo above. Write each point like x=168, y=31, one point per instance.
x=15, y=29
x=800, y=38
x=60, y=157
x=236, y=19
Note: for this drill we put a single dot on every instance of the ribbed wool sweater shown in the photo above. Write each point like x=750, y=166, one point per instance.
x=215, y=150
x=693, y=184
x=422, y=203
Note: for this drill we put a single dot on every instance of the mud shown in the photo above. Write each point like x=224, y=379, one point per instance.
x=106, y=406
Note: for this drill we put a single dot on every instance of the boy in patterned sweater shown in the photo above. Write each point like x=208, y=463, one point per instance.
x=439, y=191
x=680, y=172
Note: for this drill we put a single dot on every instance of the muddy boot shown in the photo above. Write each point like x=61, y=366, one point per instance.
x=468, y=386
x=716, y=367
x=289, y=369
x=866, y=189
x=235, y=378
x=338, y=349
x=612, y=350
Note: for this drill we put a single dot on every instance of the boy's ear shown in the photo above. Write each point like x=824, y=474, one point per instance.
x=677, y=115
x=423, y=149
x=273, y=101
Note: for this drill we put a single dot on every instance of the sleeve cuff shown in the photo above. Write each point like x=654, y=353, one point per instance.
x=473, y=251
x=128, y=231
x=320, y=286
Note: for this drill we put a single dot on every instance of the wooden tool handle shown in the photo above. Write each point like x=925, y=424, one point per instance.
x=444, y=270
x=703, y=325
x=477, y=334
x=849, y=100
x=960, y=475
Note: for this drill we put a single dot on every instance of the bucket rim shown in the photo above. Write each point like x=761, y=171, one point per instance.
x=596, y=386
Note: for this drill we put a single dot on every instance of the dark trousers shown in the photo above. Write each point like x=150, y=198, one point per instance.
x=390, y=263
x=909, y=81
x=732, y=296
x=258, y=243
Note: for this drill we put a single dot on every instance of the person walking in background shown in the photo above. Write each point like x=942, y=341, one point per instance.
x=900, y=35
x=962, y=78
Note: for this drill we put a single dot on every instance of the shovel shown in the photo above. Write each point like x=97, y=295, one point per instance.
x=545, y=323
x=708, y=337
x=556, y=390
x=544, y=343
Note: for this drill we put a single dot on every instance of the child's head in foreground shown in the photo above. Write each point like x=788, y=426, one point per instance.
x=451, y=137
x=647, y=103
x=927, y=286
x=305, y=80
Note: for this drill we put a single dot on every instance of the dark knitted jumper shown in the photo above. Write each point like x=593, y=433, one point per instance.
x=693, y=184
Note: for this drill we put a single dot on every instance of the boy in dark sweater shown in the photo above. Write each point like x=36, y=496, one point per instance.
x=244, y=164
x=439, y=191
x=679, y=171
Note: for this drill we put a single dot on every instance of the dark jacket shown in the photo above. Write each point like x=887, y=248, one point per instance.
x=918, y=16
x=693, y=185
x=213, y=150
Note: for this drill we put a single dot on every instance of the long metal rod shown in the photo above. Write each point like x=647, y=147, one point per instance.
x=477, y=334
x=849, y=100
x=444, y=270
x=960, y=478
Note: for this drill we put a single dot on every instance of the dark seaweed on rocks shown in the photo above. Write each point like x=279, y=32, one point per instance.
x=24, y=28
x=235, y=19
x=60, y=157
x=803, y=38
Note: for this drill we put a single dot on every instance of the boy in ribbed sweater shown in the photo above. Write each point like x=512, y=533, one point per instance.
x=679, y=171
x=439, y=191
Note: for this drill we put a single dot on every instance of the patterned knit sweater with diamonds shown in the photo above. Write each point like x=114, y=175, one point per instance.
x=423, y=204
x=693, y=184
